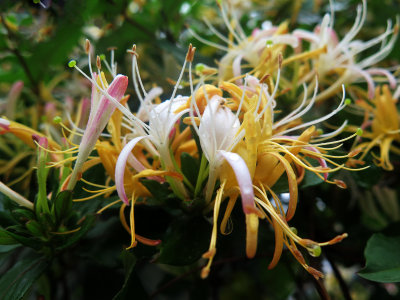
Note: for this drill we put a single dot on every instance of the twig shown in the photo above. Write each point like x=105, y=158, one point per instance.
x=342, y=283
x=20, y=58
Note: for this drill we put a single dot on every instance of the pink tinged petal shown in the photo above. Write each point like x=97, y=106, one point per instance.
x=306, y=35
x=69, y=104
x=396, y=94
x=236, y=68
x=321, y=161
x=5, y=124
x=243, y=178
x=389, y=76
x=99, y=118
x=255, y=32
x=12, y=98
x=368, y=79
x=120, y=168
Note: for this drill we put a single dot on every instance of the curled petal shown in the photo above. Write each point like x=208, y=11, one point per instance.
x=5, y=124
x=120, y=168
x=243, y=178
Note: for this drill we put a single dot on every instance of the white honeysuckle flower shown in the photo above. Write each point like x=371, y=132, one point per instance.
x=342, y=54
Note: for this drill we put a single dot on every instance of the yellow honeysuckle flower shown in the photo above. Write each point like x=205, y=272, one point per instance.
x=249, y=151
x=381, y=126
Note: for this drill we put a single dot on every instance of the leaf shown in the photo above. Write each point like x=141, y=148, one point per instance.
x=185, y=241
x=75, y=237
x=190, y=167
x=383, y=259
x=132, y=288
x=6, y=239
x=29, y=242
x=63, y=205
x=16, y=282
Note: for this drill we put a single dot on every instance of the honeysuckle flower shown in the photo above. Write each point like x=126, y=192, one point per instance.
x=341, y=55
x=162, y=118
x=249, y=151
x=255, y=50
x=381, y=127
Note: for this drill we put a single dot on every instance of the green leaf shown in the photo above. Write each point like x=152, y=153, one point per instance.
x=383, y=259
x=190, y=167
x=35, y=228
x=62, y=205
x=75, y=237
x=6, y=238
x=16, y=282
x=158, y=190
x=29, y=242
x=132, y=288
x=185, y=241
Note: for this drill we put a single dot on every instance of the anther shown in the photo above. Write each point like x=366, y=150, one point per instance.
x=190, y=53
x=87, y=46
x=264, y=78
x=98, y=62
x=340, y=183
x=280, y=60
x=133, y=51
x=72, y=63
x=57, y=120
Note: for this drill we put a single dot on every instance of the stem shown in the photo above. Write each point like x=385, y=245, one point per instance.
x=200, y=176
x=343, y=286
x=20, y=58
x=15, y=196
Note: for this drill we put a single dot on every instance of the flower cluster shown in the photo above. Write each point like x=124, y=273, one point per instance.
x=249, y=123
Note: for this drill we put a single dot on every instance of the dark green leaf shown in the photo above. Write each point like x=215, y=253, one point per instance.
x=73, y=238
x=29, y=242
x=186, y=240
x=132, y=288
x=190, y=167
x=35, y=228
x=17, y=281
x=6, y=238
x=63, y=205
x=383, y=259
